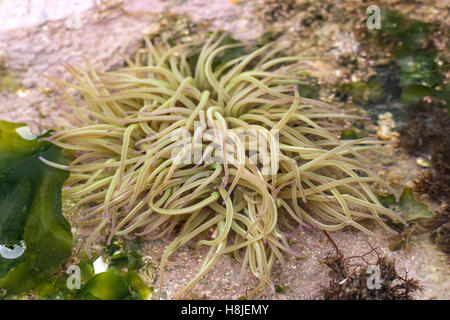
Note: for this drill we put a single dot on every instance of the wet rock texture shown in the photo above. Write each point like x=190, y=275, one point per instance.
x=38, y=37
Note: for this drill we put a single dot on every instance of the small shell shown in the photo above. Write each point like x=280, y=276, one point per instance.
x=423, y=162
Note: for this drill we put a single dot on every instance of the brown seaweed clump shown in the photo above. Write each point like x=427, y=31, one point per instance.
x=428, y=132
x=432, y=183
x=440, y=231
x=426, y=124
x=351, y=281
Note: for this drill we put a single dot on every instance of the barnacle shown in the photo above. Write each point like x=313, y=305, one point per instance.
x=135, y=133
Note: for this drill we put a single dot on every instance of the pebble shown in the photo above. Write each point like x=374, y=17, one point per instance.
x=154, y=28
x=386, y=124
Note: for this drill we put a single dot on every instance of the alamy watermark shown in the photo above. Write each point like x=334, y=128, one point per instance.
x=74, y=279
x=374, y=18
x=374, y=280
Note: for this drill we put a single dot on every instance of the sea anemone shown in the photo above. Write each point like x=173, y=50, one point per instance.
x=157, y=152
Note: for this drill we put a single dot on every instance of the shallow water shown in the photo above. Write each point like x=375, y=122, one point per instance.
x=38, y=40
